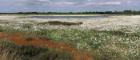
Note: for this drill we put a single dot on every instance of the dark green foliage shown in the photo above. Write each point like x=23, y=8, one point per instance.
x=27, y=26
x=1, y=30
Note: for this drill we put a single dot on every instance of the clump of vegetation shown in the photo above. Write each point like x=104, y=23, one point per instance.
x=10, y=51
x=1, y=29
x=61, y=23
x=27, y=26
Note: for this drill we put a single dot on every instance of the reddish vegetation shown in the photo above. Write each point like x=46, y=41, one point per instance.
x=42, y=42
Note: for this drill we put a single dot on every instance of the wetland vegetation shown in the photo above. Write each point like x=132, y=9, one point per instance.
x=30, y=41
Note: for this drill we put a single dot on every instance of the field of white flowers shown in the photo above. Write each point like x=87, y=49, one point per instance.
x=111, y=38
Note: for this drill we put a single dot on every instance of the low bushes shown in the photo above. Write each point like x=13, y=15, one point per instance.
x=61, y=23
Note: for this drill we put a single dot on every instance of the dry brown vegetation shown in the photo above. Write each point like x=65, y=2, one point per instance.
x=61, y=23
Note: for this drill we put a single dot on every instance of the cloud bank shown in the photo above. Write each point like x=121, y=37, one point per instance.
x=67, y=5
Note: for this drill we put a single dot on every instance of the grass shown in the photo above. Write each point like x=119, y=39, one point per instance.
x=10, y=51
x=104, y=45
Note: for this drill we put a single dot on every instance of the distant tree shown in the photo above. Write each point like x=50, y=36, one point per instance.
x=108, y=12
x=127, y=11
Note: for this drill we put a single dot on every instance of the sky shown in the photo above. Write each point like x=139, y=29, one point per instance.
x=67, y=5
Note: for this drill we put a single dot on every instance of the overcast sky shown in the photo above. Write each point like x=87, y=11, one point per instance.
x=67, y=5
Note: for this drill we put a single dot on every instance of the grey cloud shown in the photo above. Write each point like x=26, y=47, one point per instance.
x=67, y=5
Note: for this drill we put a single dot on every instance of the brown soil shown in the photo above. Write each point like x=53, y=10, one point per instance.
x=19, y=39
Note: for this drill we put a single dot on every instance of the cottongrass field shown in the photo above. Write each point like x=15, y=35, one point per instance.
x=110, y=38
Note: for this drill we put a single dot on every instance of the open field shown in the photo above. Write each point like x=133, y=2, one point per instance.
x=107, y=38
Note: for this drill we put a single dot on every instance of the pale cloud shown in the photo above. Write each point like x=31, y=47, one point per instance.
x=64, y=5
x=102, y=3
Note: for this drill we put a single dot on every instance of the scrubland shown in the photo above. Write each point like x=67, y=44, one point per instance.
x=111, y=38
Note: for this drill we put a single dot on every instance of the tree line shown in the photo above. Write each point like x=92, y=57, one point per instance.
x=94, y=12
